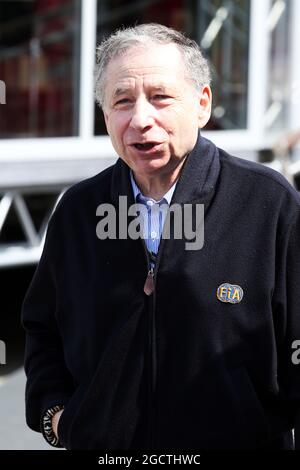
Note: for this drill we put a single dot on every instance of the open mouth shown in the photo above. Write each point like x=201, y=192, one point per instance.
x=146, y=145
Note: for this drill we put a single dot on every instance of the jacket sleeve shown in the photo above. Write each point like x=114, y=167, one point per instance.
x=49, y=382
x=287, y=315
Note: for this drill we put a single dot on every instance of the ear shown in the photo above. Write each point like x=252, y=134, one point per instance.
x=205, y=101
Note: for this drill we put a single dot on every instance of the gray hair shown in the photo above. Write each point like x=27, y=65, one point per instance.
x=120, y=41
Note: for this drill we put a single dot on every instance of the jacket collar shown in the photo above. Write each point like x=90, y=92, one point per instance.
x=196, y=183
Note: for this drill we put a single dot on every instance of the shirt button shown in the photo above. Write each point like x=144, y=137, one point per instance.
x=150, y=203
x=153, y=234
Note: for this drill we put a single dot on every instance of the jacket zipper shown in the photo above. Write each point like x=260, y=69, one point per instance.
x=148, y=290
x=150, y=284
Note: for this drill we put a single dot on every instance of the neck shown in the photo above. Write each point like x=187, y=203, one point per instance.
x=156, y=186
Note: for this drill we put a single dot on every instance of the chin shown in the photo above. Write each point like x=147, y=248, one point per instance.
x=152, y=166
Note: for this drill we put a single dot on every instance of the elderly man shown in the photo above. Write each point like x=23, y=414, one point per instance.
x=139, y=342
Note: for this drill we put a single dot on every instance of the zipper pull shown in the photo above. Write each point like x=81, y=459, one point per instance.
x=149, y=283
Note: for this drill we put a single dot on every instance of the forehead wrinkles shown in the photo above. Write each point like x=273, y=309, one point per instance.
x=159, y=60
x=127, y=71
x=148, y=78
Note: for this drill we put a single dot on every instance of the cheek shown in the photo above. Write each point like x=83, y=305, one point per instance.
x=182, y=113
x=181, y=121
x=115, y=128
x=170, y=119
x=184, y=127
x=190, y=125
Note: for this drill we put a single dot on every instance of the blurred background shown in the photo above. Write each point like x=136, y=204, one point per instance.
x=52, y=135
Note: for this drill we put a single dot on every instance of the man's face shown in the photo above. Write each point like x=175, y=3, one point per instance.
x=152, y=110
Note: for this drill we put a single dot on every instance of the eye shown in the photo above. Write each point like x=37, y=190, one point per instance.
x=160, y=97
x=123, y=101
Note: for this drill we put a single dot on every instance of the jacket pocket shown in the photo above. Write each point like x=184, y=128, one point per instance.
x=106, y=412
x=69, y=414
x=217, y=410
x=253, y=429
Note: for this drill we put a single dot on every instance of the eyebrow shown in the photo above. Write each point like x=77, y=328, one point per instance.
x=120, y=91
x=162, y=88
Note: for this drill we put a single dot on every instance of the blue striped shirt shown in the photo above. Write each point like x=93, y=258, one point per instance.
x=152, y=228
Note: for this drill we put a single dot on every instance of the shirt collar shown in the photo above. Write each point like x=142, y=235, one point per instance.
x=137, y=191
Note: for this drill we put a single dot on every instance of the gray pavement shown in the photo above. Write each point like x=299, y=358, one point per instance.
x=14, y=433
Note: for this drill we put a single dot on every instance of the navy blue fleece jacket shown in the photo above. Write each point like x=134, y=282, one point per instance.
x=181, y=368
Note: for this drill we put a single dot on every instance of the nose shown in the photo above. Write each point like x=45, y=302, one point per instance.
x=142, y=117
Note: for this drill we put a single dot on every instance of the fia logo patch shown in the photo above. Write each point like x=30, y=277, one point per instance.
x=230, y=293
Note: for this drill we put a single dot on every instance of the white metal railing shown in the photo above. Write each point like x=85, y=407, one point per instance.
x=29, y=250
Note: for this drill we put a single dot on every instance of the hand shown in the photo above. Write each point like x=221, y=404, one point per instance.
x=55, y=420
